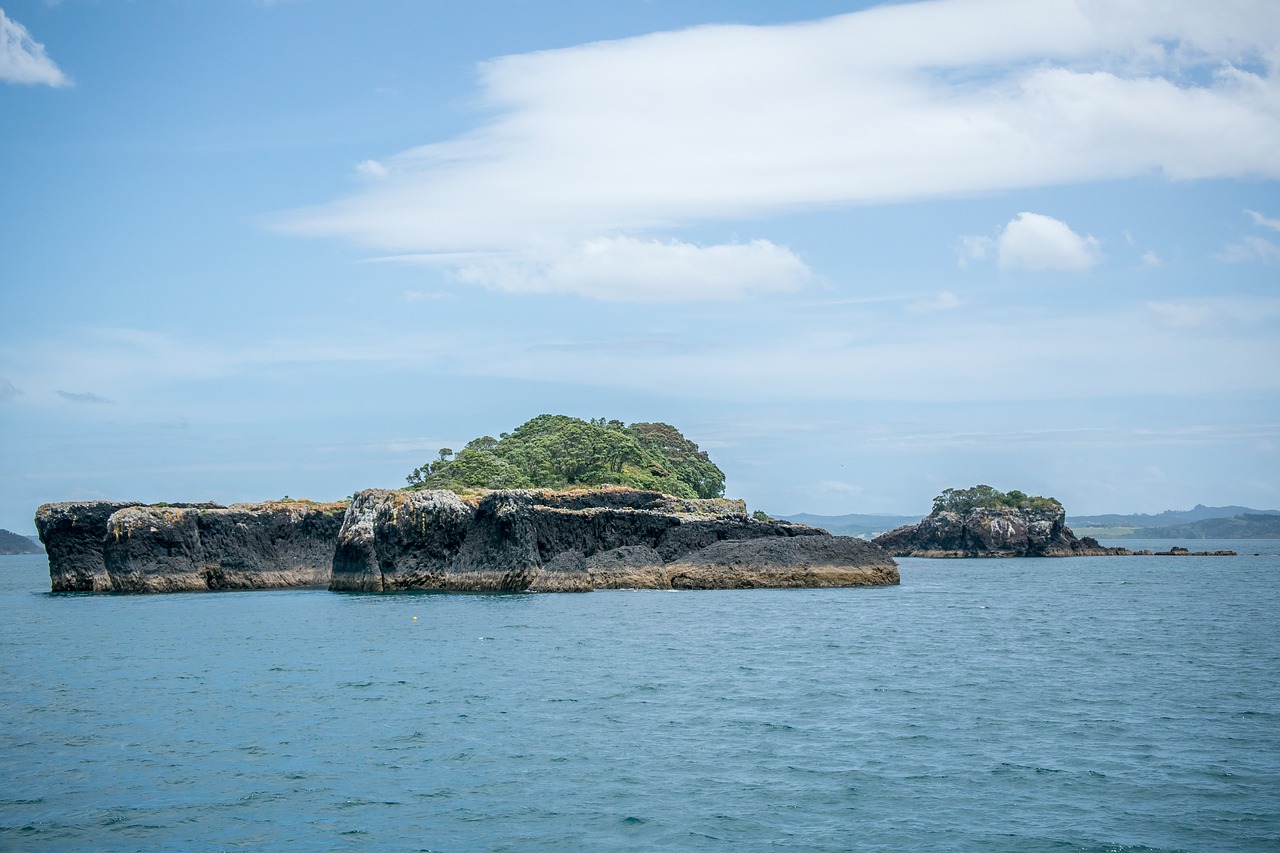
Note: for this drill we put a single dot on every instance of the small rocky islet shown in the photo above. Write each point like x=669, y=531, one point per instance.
x=985, y=522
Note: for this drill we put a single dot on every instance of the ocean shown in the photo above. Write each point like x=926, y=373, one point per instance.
x=1086, y=704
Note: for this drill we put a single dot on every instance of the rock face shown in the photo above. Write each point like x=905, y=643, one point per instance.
x=992, y=532
x=74, y=535
x=606, y=538
x=128, y=547
x=385, y=540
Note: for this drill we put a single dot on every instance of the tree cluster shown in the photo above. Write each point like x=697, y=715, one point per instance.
x=558, y=451
x=986, y=497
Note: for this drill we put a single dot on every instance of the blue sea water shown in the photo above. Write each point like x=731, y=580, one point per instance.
x=1089, y=704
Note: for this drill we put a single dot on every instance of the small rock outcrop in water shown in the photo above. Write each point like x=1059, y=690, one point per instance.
x=606, y=538
x=129, y=547
x=1038, y=531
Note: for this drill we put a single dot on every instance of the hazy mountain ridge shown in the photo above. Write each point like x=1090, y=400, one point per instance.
x=1247, y=526
x=13, y=543
x=853, y=524
x=1168, y=518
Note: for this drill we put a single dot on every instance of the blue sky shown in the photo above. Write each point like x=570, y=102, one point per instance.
x=860, y=253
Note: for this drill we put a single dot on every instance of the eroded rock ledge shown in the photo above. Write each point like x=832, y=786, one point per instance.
x=527, y=540
x=606, y=538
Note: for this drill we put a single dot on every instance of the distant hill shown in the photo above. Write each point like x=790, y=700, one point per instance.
x=1168, y=518
x=854, y=524
x=1247, y=526
x=12, y=543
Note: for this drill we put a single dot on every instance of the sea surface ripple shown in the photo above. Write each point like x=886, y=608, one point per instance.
x=1089, y=704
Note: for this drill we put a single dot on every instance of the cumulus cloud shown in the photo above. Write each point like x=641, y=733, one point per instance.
x=23, y=59
x=1034, y=241
x=82, y=397
x=628, y=269
x=900, y=102
x=1037, y=242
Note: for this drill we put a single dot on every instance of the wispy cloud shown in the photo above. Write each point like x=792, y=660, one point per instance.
x=1264, y=221
x=8, y=390
x=860, y=353
x=1185, y=315
x=23, y=59
x=1251, y=247
x=83, y=397
x=628, y=269
x=944, y=301
x=625, y=140
x=372, y=169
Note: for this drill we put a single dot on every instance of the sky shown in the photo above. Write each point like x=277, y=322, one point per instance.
x=859, y=253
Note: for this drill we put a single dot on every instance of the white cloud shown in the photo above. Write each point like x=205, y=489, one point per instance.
x=23, y=60
x=1184, y=315
x=627, y=269
x=838, y=487
x=944, y=301
x=899, y=102
x=372, y=169
x=1251, y=248
x=1151, y=259
x=1263, y=221
x=976, y=248
x=1037, y=242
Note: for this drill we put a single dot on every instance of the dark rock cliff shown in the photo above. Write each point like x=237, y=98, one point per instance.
x=521, y=540
x=992, y=532
x=74, y=534
x=128, y=547
x=543, y=541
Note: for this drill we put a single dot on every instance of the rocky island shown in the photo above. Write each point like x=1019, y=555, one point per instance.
x=523, y=540
x=532, y=511
x=985, y=522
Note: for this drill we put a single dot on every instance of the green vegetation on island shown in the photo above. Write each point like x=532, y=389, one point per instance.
x=559, y=452
x=986, y=497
